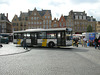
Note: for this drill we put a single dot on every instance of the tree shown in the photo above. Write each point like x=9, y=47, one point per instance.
x=89, y=28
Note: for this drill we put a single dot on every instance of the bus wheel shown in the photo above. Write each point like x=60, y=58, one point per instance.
x=51, y=44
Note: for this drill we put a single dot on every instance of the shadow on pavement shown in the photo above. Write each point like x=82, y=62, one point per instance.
x=50, y=49
x=16, y=53
x=60, y=49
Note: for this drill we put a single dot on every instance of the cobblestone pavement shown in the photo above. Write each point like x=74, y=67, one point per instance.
x=49, y=61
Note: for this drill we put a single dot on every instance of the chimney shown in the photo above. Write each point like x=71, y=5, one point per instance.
x=4, y=14
x=28, y=10
x=7, y=15
x=20, y=12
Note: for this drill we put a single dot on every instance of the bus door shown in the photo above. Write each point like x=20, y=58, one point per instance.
x=34, y=38
x=61, y=39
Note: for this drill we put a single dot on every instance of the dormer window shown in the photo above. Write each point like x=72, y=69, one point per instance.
x=81, y=13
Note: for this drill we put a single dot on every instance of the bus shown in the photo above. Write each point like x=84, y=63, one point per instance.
x=44, y=37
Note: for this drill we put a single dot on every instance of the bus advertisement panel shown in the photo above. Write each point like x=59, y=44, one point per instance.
x=92, y=36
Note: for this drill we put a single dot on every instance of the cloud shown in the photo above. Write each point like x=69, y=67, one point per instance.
x=4, y=2
x=94, y=13
x=57, y=7
x=54, y=3
x=84, y=1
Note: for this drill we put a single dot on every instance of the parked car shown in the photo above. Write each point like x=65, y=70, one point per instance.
x=4, y=40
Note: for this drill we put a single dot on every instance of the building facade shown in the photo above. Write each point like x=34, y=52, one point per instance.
x=62, y=22
x=98, y=27
x=32, y=19
x=5, y=24
x=79, y=21
x=55, y=23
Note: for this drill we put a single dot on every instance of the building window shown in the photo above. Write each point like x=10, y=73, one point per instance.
x=35, y=14
x=61, y=19
x=76, y=17
x=48, y=17
x=34, y=18
x=40, y=22
x=44, y=26
x=45, y=17
x=44, y=22
x=75, y=22
x=37, y=22
x=78, y=23
x=47, y=22
x=31, y=18
x=63, y=24
x=84, y=17
x=37, y=18
x=55, y=25
x=50, y=22
x=49, y=26
x=34, y=22
x=15, y=19
x=60, y=24
x=80, y=17
x=31, y=22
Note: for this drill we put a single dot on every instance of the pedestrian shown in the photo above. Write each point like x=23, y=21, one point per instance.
x=82, y=41
x=24, y=43
x=99, y=42
x=85, y=42
x=73, y=42
x=0, y=43
x=76, y=42
x=96, y=42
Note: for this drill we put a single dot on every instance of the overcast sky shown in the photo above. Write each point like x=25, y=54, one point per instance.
x=57, y=7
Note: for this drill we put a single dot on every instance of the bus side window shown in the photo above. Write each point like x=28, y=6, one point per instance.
x=28, y=35
x=42, y=35
x=51, y=35
x=24, y=35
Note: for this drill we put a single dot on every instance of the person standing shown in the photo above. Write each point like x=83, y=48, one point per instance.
x=96, y=42
x=82, y=41
x=85, y=42
x=24, y=43
x=0, y=42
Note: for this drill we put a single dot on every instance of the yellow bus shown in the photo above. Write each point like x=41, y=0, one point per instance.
x=54, y=37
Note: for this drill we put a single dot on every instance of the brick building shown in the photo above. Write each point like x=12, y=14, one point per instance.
x=55, y=23
x=62, y=22
x=5, y=24
x=32, y=19
x=78, y=21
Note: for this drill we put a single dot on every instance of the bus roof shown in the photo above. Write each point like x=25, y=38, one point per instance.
x=39, y=30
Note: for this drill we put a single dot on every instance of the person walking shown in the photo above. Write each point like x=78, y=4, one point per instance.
x=96, y=42
x=24, y=43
